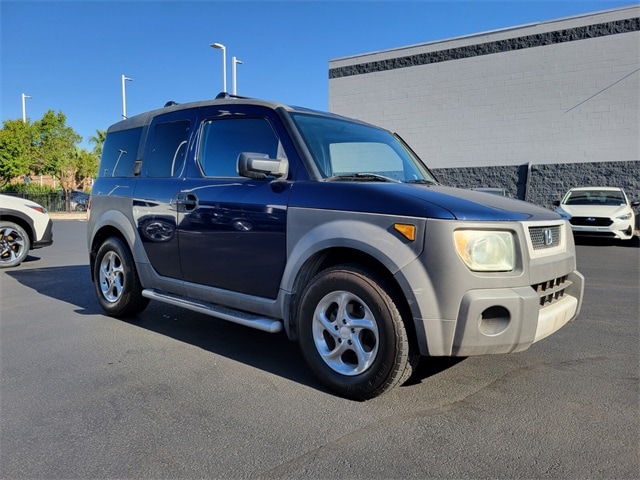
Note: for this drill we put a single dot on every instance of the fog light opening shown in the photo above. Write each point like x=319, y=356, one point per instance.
x=494, y=320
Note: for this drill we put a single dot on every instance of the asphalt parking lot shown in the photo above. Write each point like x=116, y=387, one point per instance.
x=178, y=395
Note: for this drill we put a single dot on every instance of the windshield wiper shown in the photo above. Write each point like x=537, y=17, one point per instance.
x=422, y=181
x=364, y=177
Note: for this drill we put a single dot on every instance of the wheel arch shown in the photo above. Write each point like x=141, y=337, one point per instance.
x=331, y=257
x=111, y=224
x=25, y=224
x=318, y=239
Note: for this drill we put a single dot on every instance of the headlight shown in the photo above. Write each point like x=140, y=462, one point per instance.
x=38, y=208
x=625, y=217
x=485, y=251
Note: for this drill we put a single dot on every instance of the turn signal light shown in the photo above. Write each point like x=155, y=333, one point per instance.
x=407, y=230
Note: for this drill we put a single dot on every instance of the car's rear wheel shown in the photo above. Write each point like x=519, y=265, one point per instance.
x=352, y=334
x=14, y=244
x=116, y=280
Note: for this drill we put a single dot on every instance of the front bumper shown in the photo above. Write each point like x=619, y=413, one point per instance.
x=47, y=237
x=619, y=230
x=458, y=312
x=511, y=320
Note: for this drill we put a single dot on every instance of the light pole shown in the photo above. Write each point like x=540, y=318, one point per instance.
x=224, y=63
x=24, y=108
x=124, y=96
x=234, y=61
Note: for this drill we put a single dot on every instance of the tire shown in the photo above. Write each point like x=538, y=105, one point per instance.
x=116, y=280
x=352, y=335
x=14, y=244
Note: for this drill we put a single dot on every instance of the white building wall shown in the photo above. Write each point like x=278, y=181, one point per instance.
x=566, y=102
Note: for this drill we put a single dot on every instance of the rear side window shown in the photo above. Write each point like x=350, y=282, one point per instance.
x=168, y=149
x=119, y=153
x=223, y=140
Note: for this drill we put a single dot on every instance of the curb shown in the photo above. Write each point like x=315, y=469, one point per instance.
x=68, y=215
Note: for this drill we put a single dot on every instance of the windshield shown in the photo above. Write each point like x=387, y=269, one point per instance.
x=594, y=197
x=351, y=151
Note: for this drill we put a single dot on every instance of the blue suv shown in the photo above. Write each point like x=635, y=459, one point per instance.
x=333, y=230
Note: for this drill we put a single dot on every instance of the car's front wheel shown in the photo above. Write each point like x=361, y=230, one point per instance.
x=14, y=244
x=352, y=334
x=116, y=280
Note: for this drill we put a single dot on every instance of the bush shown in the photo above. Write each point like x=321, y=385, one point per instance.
x=49, y=197
x=29, y=189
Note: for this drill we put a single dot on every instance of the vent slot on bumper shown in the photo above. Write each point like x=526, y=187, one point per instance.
x=553, y=290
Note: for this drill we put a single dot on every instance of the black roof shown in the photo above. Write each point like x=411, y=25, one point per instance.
x=144, y=119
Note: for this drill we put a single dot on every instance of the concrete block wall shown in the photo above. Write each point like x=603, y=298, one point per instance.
x=542, y=184
x=556, y=93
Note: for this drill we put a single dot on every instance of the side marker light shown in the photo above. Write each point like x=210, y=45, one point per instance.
x=408, y=231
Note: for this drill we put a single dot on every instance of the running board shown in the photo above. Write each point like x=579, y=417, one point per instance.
x=265, y=324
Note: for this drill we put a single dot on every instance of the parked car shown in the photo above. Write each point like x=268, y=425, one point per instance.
x=599, y=212
x=24, y=226
x=78, y=200
x=333, y=230
x=79, y=203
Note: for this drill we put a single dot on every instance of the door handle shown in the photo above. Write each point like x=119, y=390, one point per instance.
x=186, y=202
x=190, y=202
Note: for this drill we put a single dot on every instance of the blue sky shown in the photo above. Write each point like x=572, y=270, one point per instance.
x=69, y=56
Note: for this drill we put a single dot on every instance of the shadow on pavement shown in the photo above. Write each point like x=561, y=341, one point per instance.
x=70, y=284
x=595, y=241
x=430, y=366
x=273, y=353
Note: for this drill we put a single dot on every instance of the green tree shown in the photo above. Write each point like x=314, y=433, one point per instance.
x=86, y=166
x=47, y=146
x=15, y=149
x=55, y=148
x=98, y=139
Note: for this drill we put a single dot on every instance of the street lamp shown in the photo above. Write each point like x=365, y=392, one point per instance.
x=224, y=63
x=234, y=61
x=24, y=108
x=124, y=97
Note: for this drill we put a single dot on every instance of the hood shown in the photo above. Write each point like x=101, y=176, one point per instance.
x=9, y=201
x=473, y=205
x=10, y=205
x=417, y=200
x=609, y=211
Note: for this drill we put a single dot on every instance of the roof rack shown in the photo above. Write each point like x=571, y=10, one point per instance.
x=222, y=95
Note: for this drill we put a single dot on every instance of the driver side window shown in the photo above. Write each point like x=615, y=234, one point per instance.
x=223, y=140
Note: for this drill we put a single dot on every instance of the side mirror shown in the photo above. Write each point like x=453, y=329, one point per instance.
x=635, y=204
x=556, y=203
x=259, y=165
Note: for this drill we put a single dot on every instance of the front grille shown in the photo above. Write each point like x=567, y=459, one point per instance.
x=552, y=290
x=591, y=221
x=545, y=237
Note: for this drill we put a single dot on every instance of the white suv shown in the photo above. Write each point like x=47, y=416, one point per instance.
x=24, y=225
x=599, y=212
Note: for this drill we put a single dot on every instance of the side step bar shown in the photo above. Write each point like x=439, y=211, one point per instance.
x=265, y=324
